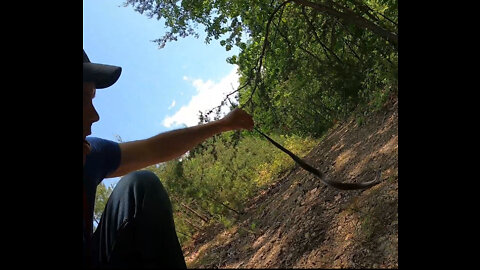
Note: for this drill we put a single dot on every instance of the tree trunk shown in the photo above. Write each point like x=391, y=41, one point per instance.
x=325, y=48
x=351, y=17
x=194, y=212
x=226, y=206
x=186, y=234
x=193, y=225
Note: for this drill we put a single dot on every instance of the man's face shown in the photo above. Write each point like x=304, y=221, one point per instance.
x=90, y=115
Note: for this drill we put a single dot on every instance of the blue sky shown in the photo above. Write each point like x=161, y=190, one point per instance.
x=159, y=89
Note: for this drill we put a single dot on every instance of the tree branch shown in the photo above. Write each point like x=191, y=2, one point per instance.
x=265, y=42
x=325, y=48
x=257, y=66
x=365, y=8
x=352, y=18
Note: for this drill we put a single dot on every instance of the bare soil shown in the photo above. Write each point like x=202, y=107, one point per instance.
x=299, y=222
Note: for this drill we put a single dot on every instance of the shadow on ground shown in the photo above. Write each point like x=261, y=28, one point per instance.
x=299, y=222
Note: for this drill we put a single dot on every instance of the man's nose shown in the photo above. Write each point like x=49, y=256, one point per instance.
x=95, y=116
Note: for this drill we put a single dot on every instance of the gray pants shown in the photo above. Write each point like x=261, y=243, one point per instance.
x=136, y=229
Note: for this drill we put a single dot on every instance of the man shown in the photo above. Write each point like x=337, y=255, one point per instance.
x=136, y=229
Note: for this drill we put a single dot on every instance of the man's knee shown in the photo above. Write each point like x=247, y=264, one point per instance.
x=146, y=181
x=142, y=177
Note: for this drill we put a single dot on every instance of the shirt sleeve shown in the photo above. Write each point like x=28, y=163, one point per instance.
x=103, y=159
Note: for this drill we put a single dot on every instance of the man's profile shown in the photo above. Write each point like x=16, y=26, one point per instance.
x=136, y=229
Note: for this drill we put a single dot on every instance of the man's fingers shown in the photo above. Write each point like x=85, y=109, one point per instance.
x=239, y=119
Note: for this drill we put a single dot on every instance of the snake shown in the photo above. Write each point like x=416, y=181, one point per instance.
x=319, y=174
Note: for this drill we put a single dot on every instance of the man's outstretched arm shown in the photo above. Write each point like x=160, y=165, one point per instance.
x=169, y=145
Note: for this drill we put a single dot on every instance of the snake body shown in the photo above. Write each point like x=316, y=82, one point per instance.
x=307, y=167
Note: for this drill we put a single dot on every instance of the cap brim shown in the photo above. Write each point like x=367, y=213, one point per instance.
x=102, y=75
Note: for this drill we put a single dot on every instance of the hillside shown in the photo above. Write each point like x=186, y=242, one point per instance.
x=298, y=222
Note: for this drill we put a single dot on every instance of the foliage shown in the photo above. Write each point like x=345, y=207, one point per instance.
x=303, y=65
x=101, y=198
x=219, y=180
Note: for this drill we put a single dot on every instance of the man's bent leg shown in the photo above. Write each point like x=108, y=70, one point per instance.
x=137, y=227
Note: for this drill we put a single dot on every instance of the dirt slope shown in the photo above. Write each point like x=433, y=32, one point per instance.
x=301, y=223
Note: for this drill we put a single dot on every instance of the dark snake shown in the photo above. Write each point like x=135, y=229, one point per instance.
x=307, y=167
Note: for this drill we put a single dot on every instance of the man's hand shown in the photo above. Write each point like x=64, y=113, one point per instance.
x=237, y=119
x=172, y=144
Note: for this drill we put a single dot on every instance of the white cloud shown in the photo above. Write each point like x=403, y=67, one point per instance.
x=172, y=105
x=209, y=95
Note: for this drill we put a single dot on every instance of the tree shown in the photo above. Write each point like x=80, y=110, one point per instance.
x=101, y=198
x=182, y=17
x=303, y=63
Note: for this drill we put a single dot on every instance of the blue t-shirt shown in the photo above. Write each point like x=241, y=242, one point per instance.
x=103, y=159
